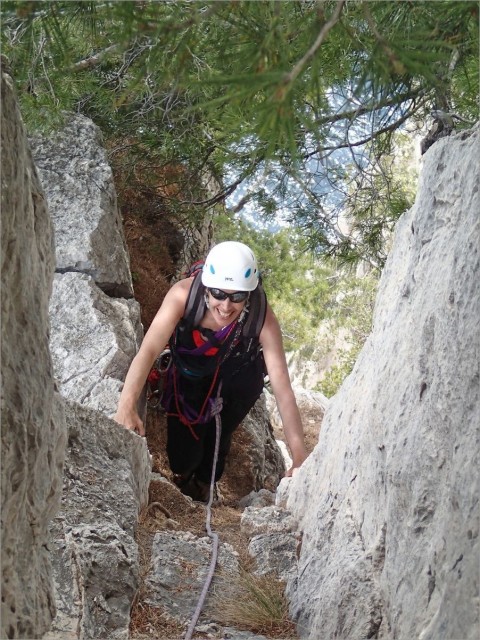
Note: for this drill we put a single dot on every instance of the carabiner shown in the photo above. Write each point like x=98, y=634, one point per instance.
x=164, y=361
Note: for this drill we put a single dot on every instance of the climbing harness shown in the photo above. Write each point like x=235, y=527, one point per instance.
x=187, y=416
x=163, y=380
x=211, y=534
x=174, y=402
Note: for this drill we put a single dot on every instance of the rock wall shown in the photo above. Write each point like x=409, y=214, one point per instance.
x=95, y=556
x=33, y=435
x=94, y=337
x=78, y=183
x=95, y=322
x=388, y=500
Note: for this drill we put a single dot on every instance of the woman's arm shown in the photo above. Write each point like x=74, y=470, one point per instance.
x=158, y=335
x=275, y=361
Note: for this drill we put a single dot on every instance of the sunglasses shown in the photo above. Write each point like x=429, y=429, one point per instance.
x=237, y=296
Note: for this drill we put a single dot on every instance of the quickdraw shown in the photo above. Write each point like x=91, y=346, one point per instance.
x=156, y=379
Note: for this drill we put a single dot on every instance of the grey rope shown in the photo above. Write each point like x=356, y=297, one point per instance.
x=211, y=534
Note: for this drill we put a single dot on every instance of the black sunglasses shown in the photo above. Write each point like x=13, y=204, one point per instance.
x=237, y=296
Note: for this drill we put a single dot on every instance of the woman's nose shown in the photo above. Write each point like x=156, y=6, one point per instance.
x=226, y=304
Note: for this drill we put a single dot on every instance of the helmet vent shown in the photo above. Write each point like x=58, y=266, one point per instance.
x=247, y=273
x=212, y=270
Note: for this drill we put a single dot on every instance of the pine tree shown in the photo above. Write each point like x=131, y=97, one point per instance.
x=298, y=100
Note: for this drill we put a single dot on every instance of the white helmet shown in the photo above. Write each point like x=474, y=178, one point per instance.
x=231, y=265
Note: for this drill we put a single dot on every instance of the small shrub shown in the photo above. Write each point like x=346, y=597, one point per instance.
x=254, y=603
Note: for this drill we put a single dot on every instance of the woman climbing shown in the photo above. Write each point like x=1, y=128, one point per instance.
x=222, y=335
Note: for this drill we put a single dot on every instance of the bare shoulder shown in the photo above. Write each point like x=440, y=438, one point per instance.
x=271, y=327
x=173, y=305
x=270, y=318
x=273, y=352
x=181, y=288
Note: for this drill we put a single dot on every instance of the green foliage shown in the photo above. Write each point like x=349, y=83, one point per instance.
x=305, y=293
x=296, y=284
x=300, y=100
x=303, y=104
x=376, y=199
x=335, y=376
x=351, y=315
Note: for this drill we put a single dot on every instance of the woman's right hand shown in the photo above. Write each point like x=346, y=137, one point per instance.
x=130, y=419
x=162, y=327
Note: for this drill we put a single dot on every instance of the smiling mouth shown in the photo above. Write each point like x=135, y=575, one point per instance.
x=224, y=315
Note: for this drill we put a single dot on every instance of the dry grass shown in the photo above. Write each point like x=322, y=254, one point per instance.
x=151, y=622
x=254, y=603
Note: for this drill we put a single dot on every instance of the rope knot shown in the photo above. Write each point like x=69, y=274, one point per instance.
x=216, y=406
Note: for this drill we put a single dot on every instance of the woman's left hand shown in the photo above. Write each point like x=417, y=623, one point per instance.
x=295, y=466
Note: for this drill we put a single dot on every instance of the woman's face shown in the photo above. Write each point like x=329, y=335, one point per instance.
x=225, y=311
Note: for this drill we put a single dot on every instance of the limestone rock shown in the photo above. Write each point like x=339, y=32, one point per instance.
x=311, y=404
x=234, y=634
x=94, y=338
x=255, y=461
x=262, y=498
x=180, y=564
x=388, y=500
x=273, y=539
x=271, y=519
x=33, y=433
x=96, y=578
x=215, y=631
x=281, y=494
x=275, y=553
x=78, y=183
x=287, y=460
x=95, y=556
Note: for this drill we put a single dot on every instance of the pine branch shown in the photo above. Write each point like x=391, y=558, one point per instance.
x=315, y=200
x=290, y=77
x=394, y=99
x=93, y=61
x=375, y=134
x=224, y=193
x=243, y=202
x=397, y=65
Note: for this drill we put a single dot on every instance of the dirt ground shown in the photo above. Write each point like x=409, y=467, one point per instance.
x=150, y=247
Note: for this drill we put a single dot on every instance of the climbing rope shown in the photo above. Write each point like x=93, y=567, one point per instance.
x=210, y=532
